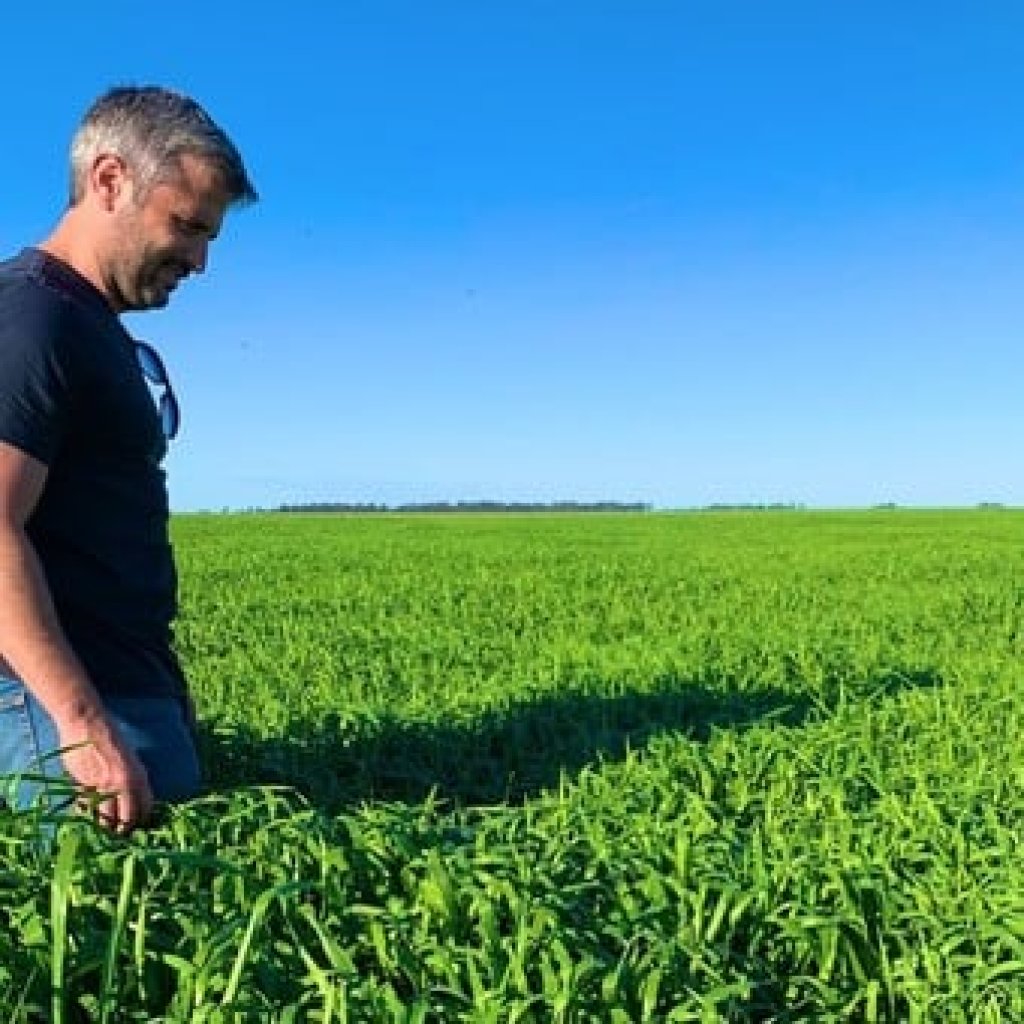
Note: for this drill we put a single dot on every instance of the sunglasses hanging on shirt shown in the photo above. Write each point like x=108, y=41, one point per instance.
x=155, y=372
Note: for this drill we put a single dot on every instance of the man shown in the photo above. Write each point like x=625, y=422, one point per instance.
x=87, y=578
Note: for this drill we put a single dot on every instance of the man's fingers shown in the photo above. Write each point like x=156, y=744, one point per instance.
x=102, y=809
x=126, y=819
x=135, y=806
x=110, y=769
x=130, y=811
x=119, y=812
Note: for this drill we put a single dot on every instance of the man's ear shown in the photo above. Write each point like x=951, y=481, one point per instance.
x=109, y=181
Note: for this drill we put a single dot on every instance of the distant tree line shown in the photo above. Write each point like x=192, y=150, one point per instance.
x=467, y=506
x=756, y=506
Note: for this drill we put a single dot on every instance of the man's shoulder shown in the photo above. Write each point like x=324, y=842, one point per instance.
x=33, y=312
x=24, y=289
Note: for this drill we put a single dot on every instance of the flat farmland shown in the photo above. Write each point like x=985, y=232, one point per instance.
x=722, y=766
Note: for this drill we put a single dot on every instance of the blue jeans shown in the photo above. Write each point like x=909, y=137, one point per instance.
x=156, y=728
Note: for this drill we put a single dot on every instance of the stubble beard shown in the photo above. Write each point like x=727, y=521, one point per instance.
x=140, y=281
x=137, y=271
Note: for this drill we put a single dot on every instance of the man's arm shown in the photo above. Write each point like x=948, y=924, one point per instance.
x=33, y=647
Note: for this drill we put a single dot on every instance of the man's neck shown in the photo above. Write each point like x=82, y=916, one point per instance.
x=66, y=245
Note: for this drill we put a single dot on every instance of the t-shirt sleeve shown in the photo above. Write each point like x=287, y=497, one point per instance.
x=35, y=370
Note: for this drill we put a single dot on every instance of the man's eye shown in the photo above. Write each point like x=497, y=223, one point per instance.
x=186, y=227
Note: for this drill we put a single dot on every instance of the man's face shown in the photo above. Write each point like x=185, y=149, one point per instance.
x=159, y=241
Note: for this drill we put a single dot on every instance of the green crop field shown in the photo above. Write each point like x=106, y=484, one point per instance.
x=754, y=766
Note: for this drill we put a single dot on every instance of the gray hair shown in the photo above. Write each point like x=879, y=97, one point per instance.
x=151, y=128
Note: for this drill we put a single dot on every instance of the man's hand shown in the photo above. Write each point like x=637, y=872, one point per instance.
x=101, y=762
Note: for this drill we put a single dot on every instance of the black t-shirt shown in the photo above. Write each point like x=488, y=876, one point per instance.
x=73, y=396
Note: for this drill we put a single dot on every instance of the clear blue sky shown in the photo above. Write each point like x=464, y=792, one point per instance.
x=670, y=252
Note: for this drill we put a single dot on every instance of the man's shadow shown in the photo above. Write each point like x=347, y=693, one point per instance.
x=507, y=754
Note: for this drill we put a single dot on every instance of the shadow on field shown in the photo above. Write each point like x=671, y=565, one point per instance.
x=507, y=754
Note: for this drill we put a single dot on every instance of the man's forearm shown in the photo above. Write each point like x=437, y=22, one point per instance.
x=32, y=644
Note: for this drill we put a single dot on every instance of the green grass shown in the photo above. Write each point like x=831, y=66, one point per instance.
x=703, y=767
